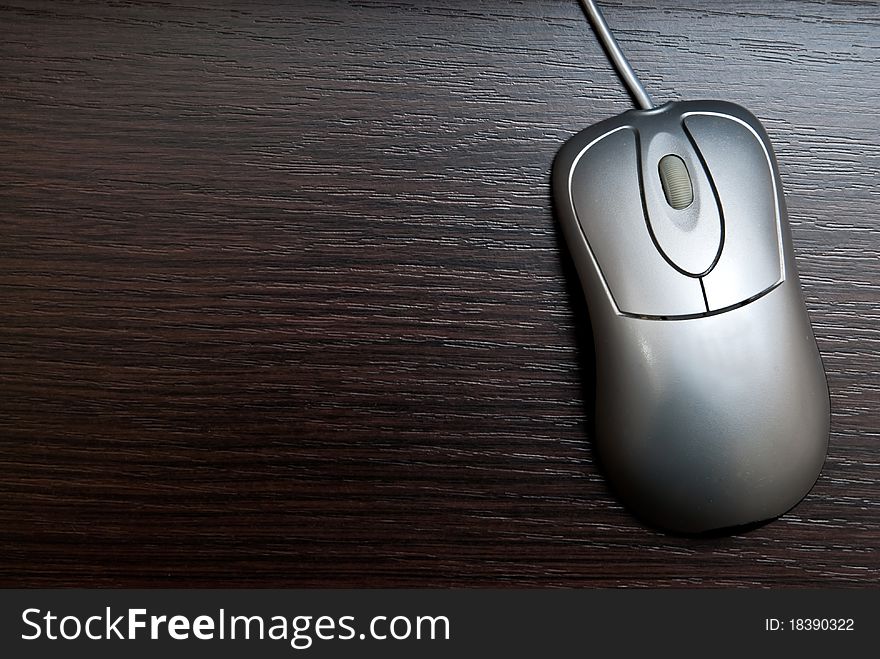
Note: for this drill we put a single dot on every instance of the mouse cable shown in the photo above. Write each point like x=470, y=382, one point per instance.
x=618, y=59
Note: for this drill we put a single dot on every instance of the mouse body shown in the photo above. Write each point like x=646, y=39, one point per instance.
x=712, y=407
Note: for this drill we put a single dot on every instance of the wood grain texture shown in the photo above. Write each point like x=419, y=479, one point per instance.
x=285, y=304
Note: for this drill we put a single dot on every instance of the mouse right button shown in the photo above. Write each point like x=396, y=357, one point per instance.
x=740, y=166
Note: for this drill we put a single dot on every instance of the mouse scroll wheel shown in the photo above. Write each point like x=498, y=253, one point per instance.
x=676, y=182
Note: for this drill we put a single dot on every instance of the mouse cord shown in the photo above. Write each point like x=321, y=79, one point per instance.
x=618, y=59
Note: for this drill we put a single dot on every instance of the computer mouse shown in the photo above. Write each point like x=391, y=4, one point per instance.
x=712, y=408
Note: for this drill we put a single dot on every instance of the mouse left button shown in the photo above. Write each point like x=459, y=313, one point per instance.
x=605, y=194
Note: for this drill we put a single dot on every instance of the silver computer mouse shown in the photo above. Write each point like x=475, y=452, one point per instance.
x=712, y=408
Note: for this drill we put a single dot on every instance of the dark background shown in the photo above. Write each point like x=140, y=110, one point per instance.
x=285, y=304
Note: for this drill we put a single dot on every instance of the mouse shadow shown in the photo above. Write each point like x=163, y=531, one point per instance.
x=586, y=357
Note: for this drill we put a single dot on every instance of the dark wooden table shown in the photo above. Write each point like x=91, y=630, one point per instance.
x=285, y=304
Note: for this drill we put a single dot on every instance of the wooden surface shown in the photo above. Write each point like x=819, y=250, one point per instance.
x=285, y=304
